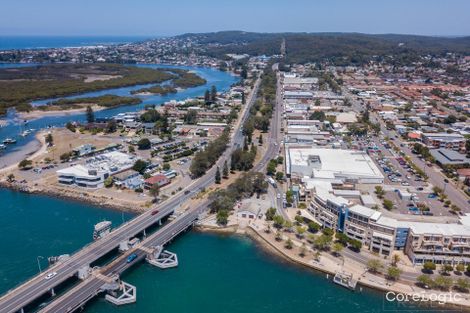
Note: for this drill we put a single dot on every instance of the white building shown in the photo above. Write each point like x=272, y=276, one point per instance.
x=332, y=165
x=95, y=170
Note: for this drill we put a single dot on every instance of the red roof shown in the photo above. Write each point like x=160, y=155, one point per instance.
x=464, y=172
x=156, y=179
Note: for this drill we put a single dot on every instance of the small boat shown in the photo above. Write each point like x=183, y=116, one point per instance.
x=345, y=280
x=9, y=140
x=25, y=133
x=2, y=146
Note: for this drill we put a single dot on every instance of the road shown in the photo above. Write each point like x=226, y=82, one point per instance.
x=435, y=177
x=22, y=295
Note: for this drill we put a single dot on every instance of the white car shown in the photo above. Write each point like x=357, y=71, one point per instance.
x=50, y=275
x=279, y=196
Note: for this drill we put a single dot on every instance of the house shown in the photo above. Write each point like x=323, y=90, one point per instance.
x=84, y=149
x=129, y=179
x=159, y=179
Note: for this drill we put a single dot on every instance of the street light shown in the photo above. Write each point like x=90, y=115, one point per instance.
x=39, y=263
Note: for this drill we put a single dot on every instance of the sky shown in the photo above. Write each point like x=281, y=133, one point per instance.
x=164, y=18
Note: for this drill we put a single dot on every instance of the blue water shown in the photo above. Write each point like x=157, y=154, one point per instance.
x=32, y=226
x=39, y=42
x=222, y=81
x=216, y=274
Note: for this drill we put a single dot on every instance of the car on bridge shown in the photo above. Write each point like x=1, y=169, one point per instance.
x=50, y=275
x=131, y=258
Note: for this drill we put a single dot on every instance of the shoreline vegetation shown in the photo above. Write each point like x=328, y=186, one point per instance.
x=185, y=79
x=20, y=86
x=106, y=101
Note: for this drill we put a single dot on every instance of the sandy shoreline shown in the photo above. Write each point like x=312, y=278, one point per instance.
x=32, y=149
x=36, y=114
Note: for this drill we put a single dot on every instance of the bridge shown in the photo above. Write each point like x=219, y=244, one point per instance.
x=20, y=297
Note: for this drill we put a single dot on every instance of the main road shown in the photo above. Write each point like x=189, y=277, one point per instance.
x=19, y=297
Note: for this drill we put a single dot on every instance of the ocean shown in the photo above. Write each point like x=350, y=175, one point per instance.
x=39, y=42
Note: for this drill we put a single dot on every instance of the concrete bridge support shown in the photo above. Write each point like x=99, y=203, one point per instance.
x=126, y=294
x=162, y=258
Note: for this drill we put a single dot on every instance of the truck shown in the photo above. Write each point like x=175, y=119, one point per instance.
x=272, y=182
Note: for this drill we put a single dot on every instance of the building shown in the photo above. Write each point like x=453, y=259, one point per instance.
x=449, y=157
x=329, y=164
x=84, y=149
x=436, y=242
x=159, y=179
x=129, y=179
x=444, y=140
x=95, y=170
x=82, y=176
x=439, y=243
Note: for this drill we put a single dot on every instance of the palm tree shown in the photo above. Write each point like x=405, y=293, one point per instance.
x=395, y=259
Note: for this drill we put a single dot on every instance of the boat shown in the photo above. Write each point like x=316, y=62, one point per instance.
x=25, y=133
x=2, y=146
x=345, y=280
x=9, y=140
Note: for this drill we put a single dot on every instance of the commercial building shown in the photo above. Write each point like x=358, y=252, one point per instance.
x=444, y=140
x=436, y=242
x=439, y=243
x=95, y=170
x=449, y=157
x=348, y=166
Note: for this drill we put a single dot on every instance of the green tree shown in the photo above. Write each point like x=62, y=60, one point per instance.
x=443, y=283
x=222, y=217
x=379, y=191
x=144, y=144
x=356, y=245
x=289, y=244
x=322, y=242
x=425, y=281
x=213, y=95
x=395, y=259
x=10, y=178
x=25, y=164
x=217, y=176
x=49, y=140
x=342, y=238
x=111, y=126
x=300, y=231
x=139, y=166
x=225, y=170
x=429, y=266
x=318, y=115
x=374, y=265
x=462, y=284
x=131, y=149
x=154, y=191
x=279, y=176
x=460, y=268
x=337, y=248
x=393, y=273
x=313, y=227
x=191, y=117
x=278, y=221
x=270, y=213
x=388, y=204
x=108, y=182
x=90, y=115
x=446, y=269
x=207, y=97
